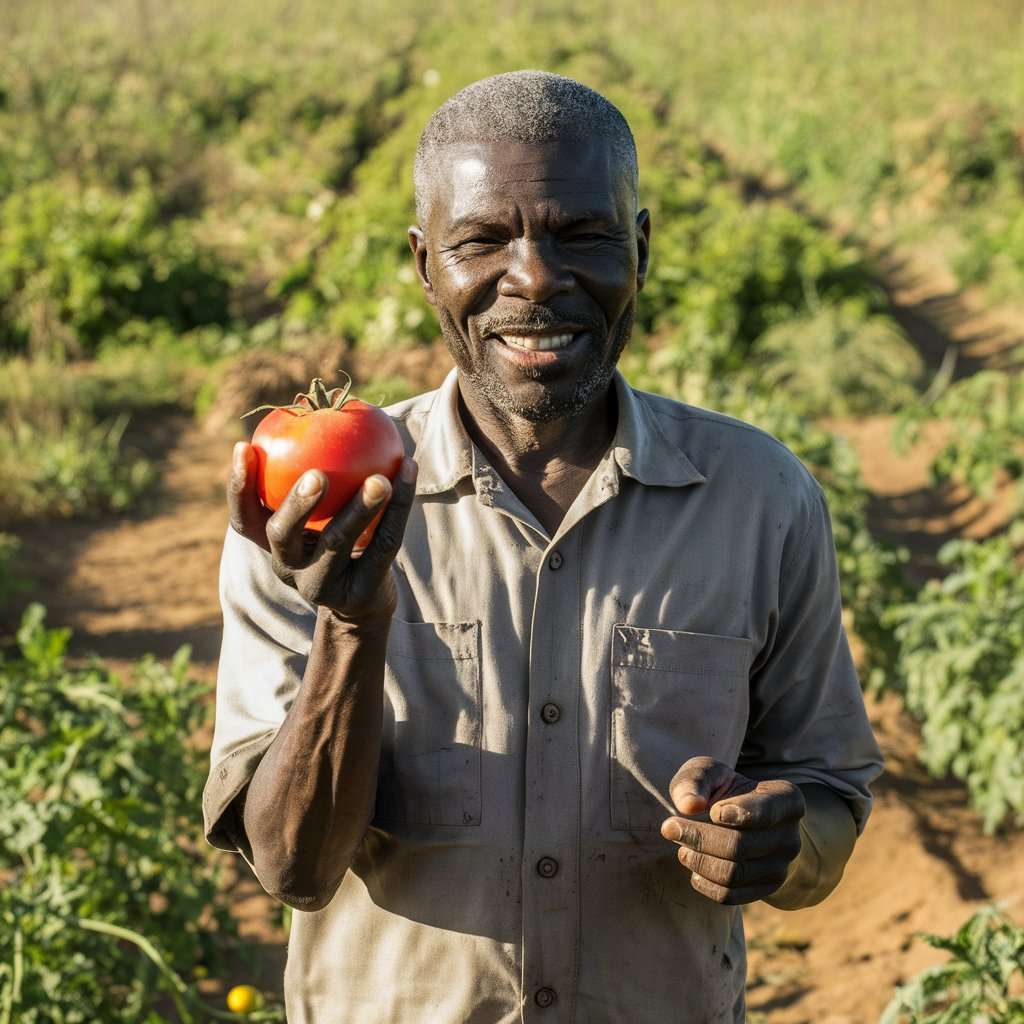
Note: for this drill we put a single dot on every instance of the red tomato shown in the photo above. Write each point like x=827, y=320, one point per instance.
x=348, y=442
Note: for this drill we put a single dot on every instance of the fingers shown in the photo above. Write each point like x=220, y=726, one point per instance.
x=732, y=874
x=733, y=865
x=732, y=843
x=702, y=781
x=729, y=897
x=387, y=538
x=767, y=805
x=344, y=529
x=246, y=512
x=285, y=526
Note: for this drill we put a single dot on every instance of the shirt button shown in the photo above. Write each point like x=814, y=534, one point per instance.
x=555, y=560
x=544, y=996
x=550, y=713
x=547, y=867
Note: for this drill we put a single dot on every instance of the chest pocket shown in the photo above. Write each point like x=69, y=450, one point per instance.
x=430, y=752
x=674, y=695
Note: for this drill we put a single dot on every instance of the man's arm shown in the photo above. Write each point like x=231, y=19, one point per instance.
x=310, y=799
x=799, y=794
x=828, y=833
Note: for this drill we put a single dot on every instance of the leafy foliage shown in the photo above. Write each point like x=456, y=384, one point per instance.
x=104, y=904
x=961, y=662
x=986, y=439
x=837, y=362
x=91, y=263
x=976, y=986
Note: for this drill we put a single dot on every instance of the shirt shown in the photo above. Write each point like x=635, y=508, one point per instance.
x=540, y=692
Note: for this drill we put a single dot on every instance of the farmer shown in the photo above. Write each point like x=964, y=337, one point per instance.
x=588, y=690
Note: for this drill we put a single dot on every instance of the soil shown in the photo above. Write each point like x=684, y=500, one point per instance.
x=148, y=583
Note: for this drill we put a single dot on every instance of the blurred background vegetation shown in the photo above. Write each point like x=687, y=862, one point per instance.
x=201, y=202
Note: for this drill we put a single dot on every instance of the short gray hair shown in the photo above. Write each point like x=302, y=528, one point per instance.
x=521, y=106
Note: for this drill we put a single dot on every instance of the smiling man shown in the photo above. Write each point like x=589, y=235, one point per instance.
x=587, y=691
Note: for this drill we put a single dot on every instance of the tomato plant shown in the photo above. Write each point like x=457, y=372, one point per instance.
x=110, y=906
x=345, y=438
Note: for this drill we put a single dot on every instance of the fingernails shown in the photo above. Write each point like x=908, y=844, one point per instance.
x=309, y=484
x=375, y=487
x=671, y=830
x=729, y=815
x=238, y=458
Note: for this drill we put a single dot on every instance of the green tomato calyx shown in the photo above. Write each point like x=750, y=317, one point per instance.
x=318, y=397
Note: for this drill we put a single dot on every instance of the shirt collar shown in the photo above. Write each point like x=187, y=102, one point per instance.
x=639, y=448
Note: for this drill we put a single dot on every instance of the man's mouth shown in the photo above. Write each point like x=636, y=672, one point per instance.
x=538, y=342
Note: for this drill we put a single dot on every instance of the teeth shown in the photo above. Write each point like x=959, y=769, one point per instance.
x=535, y=343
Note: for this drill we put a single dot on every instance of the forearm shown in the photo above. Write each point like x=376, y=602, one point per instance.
x=311, y=798
x=827, y=837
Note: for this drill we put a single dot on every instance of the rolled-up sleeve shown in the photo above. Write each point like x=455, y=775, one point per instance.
x=808, y=723
x=268, y=632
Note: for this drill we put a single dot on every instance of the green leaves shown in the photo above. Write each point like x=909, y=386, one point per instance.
x=961, y=667
x=82, y=265
x=986, y=964
x=99, y=795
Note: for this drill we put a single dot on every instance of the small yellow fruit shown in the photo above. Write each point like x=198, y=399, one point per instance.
x=244, y=999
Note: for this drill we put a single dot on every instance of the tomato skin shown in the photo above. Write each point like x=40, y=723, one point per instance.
x=347, y=445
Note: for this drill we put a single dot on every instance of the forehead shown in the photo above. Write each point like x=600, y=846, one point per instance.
x=477, y=178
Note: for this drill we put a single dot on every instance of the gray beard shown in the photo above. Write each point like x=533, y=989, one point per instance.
x=489, y=386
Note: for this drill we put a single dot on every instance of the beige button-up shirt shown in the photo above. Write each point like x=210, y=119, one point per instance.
x=540, y=693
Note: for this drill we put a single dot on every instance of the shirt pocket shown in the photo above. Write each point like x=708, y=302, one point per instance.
x=674, y=695
x=430, y=757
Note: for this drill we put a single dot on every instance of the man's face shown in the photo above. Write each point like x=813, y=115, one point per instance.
x=532, y=255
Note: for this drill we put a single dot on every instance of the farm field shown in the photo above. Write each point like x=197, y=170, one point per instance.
x=203, y=206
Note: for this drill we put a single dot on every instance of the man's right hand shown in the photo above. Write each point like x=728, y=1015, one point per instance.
x=323, y=571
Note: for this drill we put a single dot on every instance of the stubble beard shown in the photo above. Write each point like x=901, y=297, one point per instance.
x=487, y=383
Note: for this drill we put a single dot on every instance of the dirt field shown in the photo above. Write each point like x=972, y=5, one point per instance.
x=149, y=584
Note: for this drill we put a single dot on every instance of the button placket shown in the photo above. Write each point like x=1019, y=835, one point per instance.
x=550, y=866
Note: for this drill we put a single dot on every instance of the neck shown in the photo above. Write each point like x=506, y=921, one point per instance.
x=545, y=464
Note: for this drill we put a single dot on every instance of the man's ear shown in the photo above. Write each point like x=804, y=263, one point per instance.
x=418, y=244
x=643, y=246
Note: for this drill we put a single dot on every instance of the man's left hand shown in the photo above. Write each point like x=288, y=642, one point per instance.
x=743, y=853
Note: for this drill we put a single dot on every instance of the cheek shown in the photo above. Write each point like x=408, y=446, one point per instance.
x=467, y=289
x=615, y=293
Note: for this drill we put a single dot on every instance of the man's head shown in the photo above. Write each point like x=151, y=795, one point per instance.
x=529, y=235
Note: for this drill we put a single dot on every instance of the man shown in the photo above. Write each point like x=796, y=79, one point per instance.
x=588, y=690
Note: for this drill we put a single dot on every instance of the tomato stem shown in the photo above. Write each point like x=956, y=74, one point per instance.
x=318, y=397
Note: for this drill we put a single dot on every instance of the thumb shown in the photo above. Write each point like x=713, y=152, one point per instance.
x=699, y=783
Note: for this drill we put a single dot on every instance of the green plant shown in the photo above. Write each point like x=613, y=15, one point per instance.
x=986, y=438
x=976, y=986
x=961, y=668
x=107, y=905
x=837, y=362
x=78, y=266
x=77, y=469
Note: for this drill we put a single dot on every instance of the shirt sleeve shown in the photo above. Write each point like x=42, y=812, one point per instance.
x=268, y=633
x=807, y=719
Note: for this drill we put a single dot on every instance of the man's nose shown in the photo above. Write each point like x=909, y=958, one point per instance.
x=536, y=272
